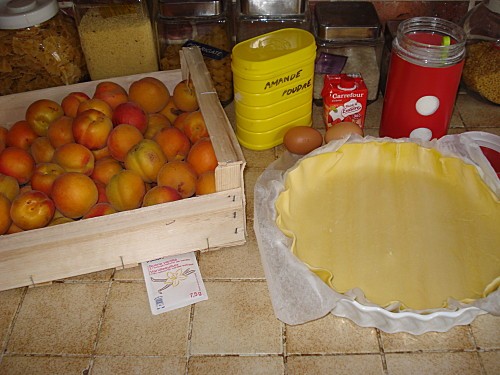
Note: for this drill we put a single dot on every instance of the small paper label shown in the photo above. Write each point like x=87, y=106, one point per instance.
x=173, y=282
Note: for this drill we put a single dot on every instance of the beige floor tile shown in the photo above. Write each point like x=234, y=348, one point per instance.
x=374, y=114
x=458, y=338
x=251, y=176
x=131, y=273
x=329, y=335
x=119, y=365
x=495, y=130
x=104, y=275
x=369, y=364
x=20, y=365
x=129, y=328
x=491, y=362
x=9, y=302
x=235, y=365
x=433, y=364
x=486, y=330
x=59, y=318
x=234, y=262
x=477, y=114
x=258, y=159
x=237, y=318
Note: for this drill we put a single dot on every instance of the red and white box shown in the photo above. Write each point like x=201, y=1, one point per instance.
x=344, y=99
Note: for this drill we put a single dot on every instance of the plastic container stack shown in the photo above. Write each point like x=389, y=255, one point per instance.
x=273, y=86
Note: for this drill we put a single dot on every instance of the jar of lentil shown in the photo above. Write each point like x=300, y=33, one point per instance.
x=349, y=40
x=117, y=37
x=481, y=73
x=205, y=24
x=39, y=47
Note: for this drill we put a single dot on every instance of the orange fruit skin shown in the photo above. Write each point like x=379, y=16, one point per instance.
x=184, y=96
x=18, y=163
x=126, y=190
x=5, y=219
x=41, y=113
x=179, y=175
x=20, y=135
x=32, y=209
x=74, y=194
x=150, y=93
x=202, y=156
x=206, y=183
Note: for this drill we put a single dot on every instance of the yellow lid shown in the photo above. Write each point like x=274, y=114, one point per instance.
x=275, y=50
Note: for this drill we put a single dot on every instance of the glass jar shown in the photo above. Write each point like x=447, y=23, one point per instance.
x=254, y=17
x=39, y=47
x=117, y=37
x=205, y=24
x=349, y=40
x=481, y=74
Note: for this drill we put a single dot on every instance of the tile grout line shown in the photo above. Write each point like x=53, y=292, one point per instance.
x=381, y=351
x=12, y=324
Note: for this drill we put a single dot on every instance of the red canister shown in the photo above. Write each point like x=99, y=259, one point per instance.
x=424, y=74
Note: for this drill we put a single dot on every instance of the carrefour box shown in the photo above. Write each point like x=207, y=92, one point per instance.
x=206, y=222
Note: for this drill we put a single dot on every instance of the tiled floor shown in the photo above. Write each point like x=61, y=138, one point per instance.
x=101, y=323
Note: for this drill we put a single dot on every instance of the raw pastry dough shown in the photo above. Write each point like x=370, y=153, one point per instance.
x=397, y=220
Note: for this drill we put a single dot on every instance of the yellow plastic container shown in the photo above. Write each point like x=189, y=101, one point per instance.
x=265, y=140
x=282, y=106
x=273, y=77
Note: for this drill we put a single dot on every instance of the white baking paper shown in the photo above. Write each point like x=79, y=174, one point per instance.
x=173, y=282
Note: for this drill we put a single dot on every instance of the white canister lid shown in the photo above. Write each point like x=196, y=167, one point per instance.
x=19, y=14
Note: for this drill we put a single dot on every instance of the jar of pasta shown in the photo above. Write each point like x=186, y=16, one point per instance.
x=39, y=47
x=205, y=24
x=117, y=37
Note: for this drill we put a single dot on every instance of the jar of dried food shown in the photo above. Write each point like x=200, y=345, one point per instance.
x=117, y=37
x=39, y=47
x=481, y=74
x=205, y=24
x=350, y=40
x=257, y=17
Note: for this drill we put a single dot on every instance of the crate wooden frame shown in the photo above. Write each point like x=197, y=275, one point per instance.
x=203, y=223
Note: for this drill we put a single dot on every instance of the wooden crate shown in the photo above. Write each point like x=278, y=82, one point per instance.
x=131, y=237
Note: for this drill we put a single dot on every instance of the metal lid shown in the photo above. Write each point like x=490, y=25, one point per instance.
x=273, y=7
x=346, y=20
x=191, y=8
x=19, y=14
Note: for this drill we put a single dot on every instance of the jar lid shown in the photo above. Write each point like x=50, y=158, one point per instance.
x=19, y=14
x=190, y=8
x=346, y=20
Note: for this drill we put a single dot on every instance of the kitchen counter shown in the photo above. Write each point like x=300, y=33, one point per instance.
x=101, y=323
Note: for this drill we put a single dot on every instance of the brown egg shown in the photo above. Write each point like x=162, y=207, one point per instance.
x=302, y=140
x=341, y=130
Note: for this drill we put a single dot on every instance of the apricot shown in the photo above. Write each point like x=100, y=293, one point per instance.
x=195, y=127
x=60, y=131
x=160, y=194
x=150, y=93
x=101, y=153
x=180, y=176
x=156, y=122
x=104, y=169
x=174, y=143
x=99, y=209
x=91, y=129
x=170, y=111
x=146, y=158
x=126, y=190
x=74, y=194
x=44, y=176
x=60, y=220
x=180, y=120
x=32, y=209
x=71, y=102
x=96, y=104
x=121, y=139
x=41, y=113
x=42, y=150
x=5, y=219
x=101, y=192
x=205, y=184
x=202, y=156
x=17, y=163
x=8, y=186
x=14, y=229
x=111, y=92
x=132, y=114
x=184, y=96
x=74, y=157
x=20, y=135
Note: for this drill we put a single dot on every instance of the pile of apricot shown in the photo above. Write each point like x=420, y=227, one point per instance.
x=96, y=155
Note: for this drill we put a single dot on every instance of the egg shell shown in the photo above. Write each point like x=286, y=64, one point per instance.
x=341, y=130
x=302, y=139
